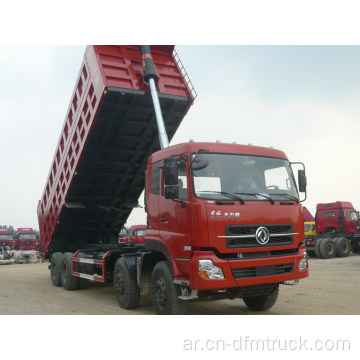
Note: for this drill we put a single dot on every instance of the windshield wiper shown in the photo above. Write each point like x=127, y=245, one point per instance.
x=288, y=196
x=232, y=196
x=258, y=194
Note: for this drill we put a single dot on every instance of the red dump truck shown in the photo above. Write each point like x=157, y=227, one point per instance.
x=224, y=220
x=25, y=239
x=338, y=231
x=6, y=238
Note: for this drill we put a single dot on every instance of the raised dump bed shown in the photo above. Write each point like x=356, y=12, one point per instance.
x=98, y=170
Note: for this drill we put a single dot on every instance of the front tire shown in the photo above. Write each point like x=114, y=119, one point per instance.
x=125, y=285
x=263, y=302
x=165, y=294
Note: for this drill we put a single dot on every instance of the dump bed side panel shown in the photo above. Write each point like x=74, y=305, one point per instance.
x=97, y=173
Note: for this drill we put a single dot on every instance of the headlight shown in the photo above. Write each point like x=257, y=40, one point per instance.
x=208, y=270
x=303, y=264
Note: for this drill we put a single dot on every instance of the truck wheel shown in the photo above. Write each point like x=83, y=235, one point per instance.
x=125, y=285
x=55, y=268
x=327, y=248
x=263, y=302
x=165, y=294
x=342, y=247
x=69, y=282
x=317, y=247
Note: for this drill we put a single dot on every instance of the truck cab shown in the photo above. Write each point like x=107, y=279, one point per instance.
x=122, y=239
x=228, y=208
x=137, y=234
x=309, y=228
x=6, y=238
x=25, y=239
x=337, y=217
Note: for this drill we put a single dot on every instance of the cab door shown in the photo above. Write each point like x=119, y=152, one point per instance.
x=175, y=219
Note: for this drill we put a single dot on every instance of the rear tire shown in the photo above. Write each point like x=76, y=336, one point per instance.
x=125, y=285
x=263, y=302
x=317, y=247
x=69, y=282
x=327, y=248
x=342, y=247
x=55, y=268
x=165, y=294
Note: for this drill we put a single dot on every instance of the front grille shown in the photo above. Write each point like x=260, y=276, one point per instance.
x=269, y=270
x=257, y=254
x=280, y=236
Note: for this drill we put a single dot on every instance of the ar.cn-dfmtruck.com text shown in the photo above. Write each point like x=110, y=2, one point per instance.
x=248, y=343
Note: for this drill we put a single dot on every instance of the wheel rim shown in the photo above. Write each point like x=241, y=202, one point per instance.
x=329, y=248
x=345, y=246
x=120, y=284
x=160, y=297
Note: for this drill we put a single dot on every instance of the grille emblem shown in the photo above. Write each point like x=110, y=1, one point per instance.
x=262, y=235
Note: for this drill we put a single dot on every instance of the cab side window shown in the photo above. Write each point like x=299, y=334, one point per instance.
x=155, y=178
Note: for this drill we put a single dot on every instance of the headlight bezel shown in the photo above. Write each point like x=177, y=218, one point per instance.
x=209, y=271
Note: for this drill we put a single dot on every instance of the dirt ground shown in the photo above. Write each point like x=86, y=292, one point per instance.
x=332, y=288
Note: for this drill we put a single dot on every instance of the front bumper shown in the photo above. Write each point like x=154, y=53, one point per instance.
x=247, y=272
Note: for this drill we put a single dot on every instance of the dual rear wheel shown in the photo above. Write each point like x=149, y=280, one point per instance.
x=327, y=248
x=60, y=271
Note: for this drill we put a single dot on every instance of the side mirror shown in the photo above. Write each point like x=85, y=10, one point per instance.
x=171, y=192
x=171, y=171
x=302, y=180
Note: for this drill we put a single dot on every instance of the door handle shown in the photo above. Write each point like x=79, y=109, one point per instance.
x=163, y=219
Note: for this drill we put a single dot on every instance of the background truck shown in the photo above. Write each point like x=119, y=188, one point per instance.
x=123, y=235
x=309, y=228
x=224, y=220
x=137, y=234
x=338, y=231
x=25, y=239
x=6, y=238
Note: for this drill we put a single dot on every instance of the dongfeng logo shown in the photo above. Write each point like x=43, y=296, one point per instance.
x=262, y=235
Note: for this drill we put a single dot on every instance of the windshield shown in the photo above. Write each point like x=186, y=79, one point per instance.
x=27, y=237
x=248, y=177
x=5, y=237
x=353, y=216
x=141, y=232
x=123, y=232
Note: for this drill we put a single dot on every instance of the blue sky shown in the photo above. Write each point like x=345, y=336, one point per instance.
x=300, y=99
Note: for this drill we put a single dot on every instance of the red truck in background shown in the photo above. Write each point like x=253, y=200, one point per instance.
x=137, y=234
x=25, y=239
x=123, y=236
x=224, y=220
x=338, y=231
x=6, y=238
